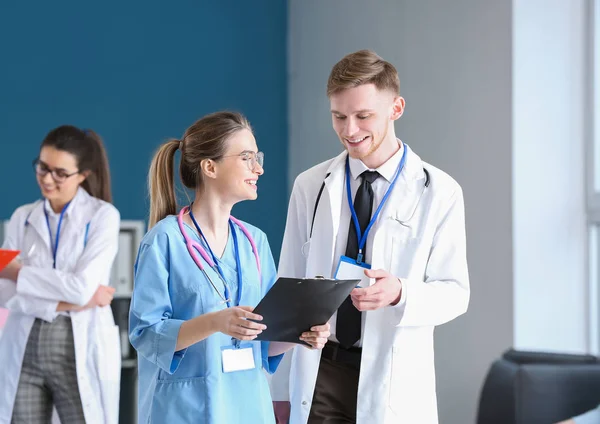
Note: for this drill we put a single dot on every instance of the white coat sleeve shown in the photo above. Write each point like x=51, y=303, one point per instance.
x=93, y=267
x=292, y=263
x=153, y=331
x=444, y=294
x=9, y=298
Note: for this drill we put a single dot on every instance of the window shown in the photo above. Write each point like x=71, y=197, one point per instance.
x=592, y=128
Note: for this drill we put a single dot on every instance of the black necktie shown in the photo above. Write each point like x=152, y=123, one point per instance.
x=348, y=323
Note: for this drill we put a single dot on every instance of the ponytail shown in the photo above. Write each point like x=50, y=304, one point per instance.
x=161, y=184
x=205, y=139
x=97, y=184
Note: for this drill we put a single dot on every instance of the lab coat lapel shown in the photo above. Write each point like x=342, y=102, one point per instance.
x=334, y=185
x=327, y=221
x=73, y=223
x=402, y=202
x=37, y=221
x=406, y=192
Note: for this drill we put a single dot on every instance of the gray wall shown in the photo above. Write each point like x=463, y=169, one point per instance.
x=454, y=60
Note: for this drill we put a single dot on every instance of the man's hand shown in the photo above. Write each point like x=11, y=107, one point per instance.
x=386, y=291
x=11, y=271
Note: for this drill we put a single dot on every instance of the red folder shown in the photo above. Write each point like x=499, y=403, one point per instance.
x=6, y=256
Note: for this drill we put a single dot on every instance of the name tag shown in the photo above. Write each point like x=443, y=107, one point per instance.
x=349, y=269
x=237, y=358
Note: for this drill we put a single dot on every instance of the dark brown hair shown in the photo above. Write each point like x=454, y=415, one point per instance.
x=88, y=149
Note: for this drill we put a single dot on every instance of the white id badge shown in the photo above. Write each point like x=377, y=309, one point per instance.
x=237, y=358
x=348, y=269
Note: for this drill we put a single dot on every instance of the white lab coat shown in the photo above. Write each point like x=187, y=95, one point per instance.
x=80, y=270
x=397, y=376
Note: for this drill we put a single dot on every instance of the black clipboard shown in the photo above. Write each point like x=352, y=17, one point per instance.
x=294, y=305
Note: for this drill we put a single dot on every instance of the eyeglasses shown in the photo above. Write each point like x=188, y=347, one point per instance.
x=251, y=158
x=58, y=175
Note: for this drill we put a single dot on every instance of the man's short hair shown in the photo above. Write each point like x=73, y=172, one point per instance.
x=363, y=67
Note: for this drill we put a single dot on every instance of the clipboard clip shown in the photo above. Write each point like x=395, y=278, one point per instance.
x=317, y=277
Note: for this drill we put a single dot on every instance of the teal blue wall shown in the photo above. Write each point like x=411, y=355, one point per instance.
x=138, y=73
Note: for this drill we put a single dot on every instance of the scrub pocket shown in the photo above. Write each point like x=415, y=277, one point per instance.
x=179, y=401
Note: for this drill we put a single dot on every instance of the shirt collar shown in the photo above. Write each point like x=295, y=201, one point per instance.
x=48, y=209
x=387, y=170
x=53, y=214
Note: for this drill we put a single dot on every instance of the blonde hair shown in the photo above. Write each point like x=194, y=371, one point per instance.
x=205, y=139
x=363, y=67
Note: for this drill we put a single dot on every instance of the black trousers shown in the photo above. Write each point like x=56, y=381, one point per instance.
x=334, y=399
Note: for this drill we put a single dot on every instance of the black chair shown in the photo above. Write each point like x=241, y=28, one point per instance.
x=539, y=388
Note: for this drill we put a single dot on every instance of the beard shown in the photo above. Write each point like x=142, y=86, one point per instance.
x=376, y=142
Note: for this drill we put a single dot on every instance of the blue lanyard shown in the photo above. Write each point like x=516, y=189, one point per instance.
x=55, y=248
x=362, y=238
x=216, y=261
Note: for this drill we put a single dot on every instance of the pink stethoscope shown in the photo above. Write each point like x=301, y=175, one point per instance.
x=194, y=247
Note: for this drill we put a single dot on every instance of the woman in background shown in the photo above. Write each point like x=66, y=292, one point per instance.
x=60, y=345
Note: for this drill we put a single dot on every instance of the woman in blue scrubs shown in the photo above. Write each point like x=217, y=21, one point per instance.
x=198, y=275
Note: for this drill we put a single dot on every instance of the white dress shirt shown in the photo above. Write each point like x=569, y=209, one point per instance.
x=380, y=186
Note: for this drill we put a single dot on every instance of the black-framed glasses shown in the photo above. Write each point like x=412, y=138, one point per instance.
x=58, y=175
x=251, y=158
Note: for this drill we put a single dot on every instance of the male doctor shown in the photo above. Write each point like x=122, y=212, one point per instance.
x=376, y=211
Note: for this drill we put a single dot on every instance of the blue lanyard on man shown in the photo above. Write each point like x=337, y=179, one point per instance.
x=362, y=238
x=216, y=261
x=55, y=247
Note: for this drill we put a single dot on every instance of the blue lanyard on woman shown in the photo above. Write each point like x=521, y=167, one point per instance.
x=55, y=247
x=362, y=238
x=215, y=260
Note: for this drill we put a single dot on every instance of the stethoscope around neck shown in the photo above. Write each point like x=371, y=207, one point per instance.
x=194, y=247
x=404, y=223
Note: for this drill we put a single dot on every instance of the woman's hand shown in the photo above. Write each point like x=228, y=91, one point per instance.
x=11, y=271
x=234, y=322
x=102, y=297
x=317, y=336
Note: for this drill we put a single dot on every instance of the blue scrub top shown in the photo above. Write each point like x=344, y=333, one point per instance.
x=189, y=386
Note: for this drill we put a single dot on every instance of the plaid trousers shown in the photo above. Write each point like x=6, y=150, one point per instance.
x=48, y=376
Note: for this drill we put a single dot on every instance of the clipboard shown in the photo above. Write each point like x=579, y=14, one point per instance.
x=294, y=305
x=6, y=256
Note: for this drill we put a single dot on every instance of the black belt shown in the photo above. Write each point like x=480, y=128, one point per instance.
x=334, y=352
